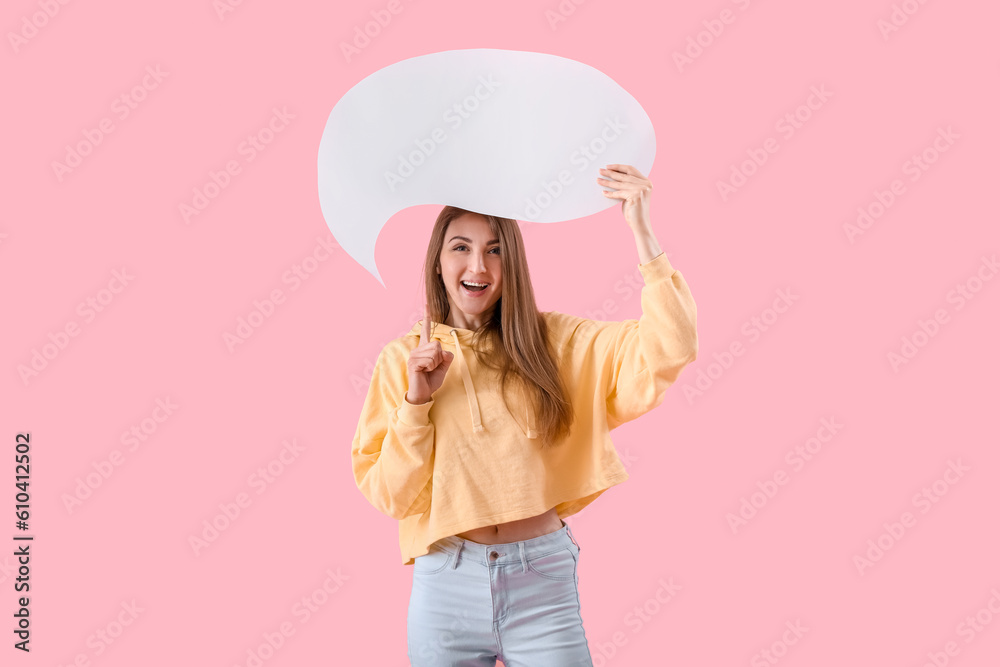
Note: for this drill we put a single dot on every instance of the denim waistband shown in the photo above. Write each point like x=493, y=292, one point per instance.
x=507, y=552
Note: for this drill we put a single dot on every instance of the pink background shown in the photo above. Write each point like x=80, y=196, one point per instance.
x=301, y=375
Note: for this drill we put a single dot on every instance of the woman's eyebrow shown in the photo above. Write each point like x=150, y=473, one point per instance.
x=468, y=240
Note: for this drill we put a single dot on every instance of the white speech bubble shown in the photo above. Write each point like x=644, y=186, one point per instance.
x=514, y=134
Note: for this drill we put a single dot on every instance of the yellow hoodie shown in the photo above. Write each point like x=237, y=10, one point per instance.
x=462, y=461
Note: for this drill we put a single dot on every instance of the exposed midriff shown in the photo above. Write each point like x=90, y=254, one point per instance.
x=515, y=531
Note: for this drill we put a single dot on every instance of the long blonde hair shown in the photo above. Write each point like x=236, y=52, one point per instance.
x=514, y=340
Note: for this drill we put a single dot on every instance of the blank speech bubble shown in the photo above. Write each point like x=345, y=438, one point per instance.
x=514, y=134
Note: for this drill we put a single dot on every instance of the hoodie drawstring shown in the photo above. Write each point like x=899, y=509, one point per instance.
x=470, y=390
x=470, y=393
x=532, y=433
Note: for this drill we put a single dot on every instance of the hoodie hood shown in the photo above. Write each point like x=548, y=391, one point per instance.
x=458, y=338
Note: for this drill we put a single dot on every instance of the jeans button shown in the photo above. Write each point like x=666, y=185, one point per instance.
x=494, y=555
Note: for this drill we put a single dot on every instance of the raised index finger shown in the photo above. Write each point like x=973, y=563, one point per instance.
x=425, y=331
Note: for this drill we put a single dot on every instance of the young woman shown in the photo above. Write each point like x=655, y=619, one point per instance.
x=482, y=432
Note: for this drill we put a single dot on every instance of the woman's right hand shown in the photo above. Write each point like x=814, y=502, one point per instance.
x=426, y=366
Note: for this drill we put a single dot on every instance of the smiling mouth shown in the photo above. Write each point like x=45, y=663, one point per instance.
x=474, y=287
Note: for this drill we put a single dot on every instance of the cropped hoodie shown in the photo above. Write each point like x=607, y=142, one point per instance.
x=463, y=461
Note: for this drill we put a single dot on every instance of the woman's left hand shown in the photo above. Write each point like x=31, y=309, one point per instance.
x=632, y=188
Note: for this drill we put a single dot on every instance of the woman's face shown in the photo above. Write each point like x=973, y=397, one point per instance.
x=470, y=253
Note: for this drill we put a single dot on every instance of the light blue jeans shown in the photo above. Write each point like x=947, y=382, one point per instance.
x=472, y=603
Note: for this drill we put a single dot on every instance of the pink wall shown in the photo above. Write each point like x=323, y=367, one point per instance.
x=865, y=379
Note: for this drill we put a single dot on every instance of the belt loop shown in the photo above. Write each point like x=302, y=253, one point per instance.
x=458, y=553
x=570, y=533
x=524, y=563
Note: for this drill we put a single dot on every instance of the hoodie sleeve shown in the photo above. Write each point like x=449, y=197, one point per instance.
x=637, y=360
x=393, y=450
